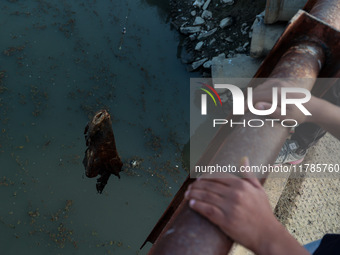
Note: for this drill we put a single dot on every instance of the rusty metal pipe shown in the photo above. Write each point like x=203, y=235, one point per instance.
x=189, y=233
x=328, y=12
x=303, y=60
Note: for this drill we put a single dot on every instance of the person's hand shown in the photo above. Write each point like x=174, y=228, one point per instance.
x=240, y=208
x=262, y=100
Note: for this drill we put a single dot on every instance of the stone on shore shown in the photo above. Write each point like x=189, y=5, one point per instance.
x=198, y=3
x=206, y=4
x=229, y=2
x=189, y=30
x=226, y=22
x=197, y=64
x=192, y=37
x=199, y=45
x=229, y=39
x=206, y=34
x=198, y=21
x=207, y=64
x=206, y=14
x=212, y=41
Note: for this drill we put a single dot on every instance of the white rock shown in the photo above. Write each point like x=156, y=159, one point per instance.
x=193, y=13
x=189, y=30
x=205, y=34
x=206, y=14
x=198, y=21
x=212, y=41
x=245, y=45
x=228, y=39
x=226, y=22
x=207, y=64
x=198, y=3
x=206, y=4
x=192, y=37
x=240, y=49
x=198, y=63
x=229, y=2
x=199, y=45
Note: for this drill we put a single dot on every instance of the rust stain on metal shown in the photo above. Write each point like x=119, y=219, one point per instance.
x=328, y=12
x=101, y=156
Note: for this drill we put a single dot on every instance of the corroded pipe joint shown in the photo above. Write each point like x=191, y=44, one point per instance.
x=303, y=60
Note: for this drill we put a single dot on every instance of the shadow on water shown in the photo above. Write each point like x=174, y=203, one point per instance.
x=163, y=8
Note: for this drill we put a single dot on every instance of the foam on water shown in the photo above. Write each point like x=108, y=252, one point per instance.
x=62, y=61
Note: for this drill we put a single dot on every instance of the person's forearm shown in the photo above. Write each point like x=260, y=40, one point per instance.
x=280, y=242
x=326, y=115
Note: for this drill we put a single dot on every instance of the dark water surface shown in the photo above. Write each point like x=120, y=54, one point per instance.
x=60, y=61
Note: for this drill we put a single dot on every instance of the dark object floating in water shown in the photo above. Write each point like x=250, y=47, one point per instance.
x=101, y=156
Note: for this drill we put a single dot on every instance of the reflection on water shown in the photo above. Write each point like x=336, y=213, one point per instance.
x=60, y=61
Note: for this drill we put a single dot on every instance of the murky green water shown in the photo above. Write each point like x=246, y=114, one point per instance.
x=60, y=62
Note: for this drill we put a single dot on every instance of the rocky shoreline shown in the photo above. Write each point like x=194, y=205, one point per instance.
x=209, y=28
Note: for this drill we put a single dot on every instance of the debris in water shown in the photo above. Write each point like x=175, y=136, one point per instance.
x=101, y=156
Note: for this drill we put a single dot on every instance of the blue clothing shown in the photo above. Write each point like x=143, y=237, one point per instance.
x=311, y=247
x=328, y=245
